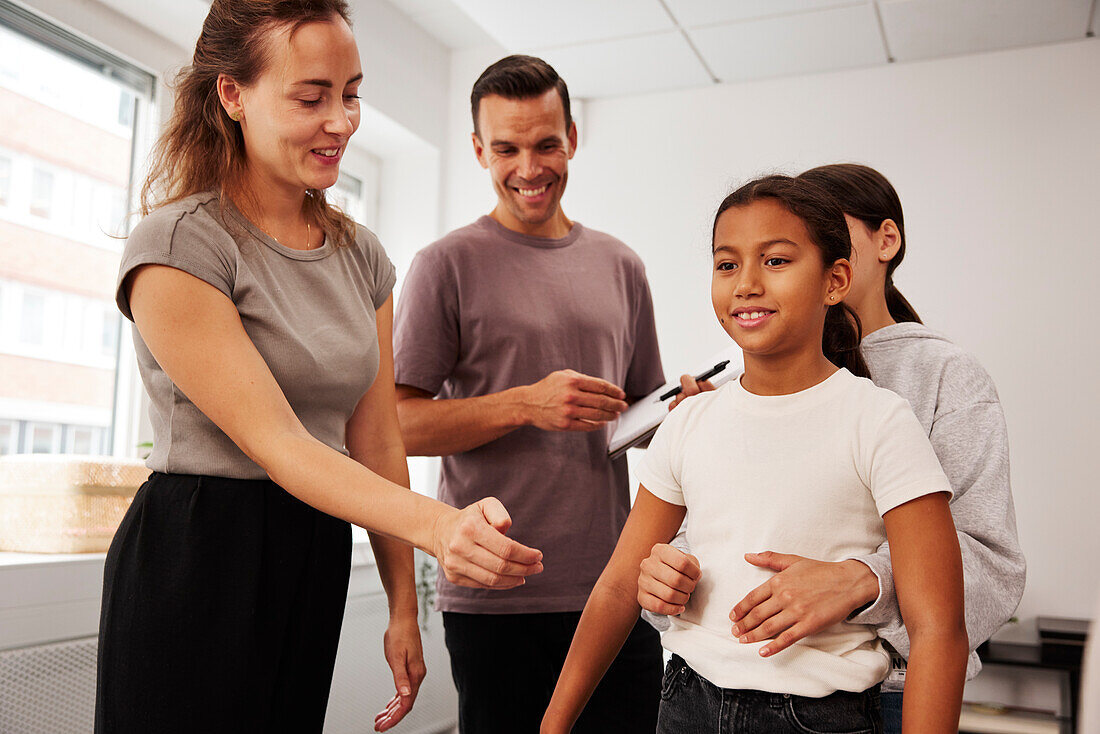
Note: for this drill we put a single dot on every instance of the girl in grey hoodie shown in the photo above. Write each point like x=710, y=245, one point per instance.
x=956, y=402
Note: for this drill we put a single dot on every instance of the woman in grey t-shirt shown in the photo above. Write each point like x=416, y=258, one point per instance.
x=263, y=321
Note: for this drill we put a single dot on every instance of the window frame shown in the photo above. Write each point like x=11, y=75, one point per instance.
x=56, y=430
x=127, y=427
x=6, y=178
x=13, y=436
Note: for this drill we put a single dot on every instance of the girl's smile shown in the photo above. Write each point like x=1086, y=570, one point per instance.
x=751, y=316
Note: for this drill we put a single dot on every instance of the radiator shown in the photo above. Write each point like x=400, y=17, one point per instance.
x=48, y=689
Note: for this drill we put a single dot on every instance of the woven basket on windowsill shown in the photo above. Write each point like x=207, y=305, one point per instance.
x=64, y=504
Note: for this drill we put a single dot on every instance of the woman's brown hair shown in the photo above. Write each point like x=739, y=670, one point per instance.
x=202, y=149
x=829, y=233
x=864, y=194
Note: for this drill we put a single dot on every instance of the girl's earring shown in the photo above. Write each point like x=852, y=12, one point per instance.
x=235, y=115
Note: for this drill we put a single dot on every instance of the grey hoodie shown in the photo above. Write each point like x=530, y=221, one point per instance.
x=956, y=402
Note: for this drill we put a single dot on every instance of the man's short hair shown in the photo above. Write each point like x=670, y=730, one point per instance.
x=519, y=77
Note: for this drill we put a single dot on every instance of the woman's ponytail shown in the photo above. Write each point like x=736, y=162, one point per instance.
x=864, y=194
x=900, y=309
x=840, y=340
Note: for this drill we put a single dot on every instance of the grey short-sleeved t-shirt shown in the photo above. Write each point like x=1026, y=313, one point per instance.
x=486, y=309
x=310, y=314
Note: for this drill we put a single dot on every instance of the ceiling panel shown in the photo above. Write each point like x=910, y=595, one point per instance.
x=421, y=7
x=923, y=29
x=695, y=13
x=180, y=21
x=447, y=22
x=628, y=66
x=524, y=25
x=804, y=43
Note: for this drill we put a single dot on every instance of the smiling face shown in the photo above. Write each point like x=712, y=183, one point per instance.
x=525, y=145
x=297, y=117
x=770, y=288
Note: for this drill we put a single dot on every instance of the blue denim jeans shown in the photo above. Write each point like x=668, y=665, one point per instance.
x=891, y=711
x=691, y=704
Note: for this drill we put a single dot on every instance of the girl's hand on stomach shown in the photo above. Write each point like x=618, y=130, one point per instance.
x=405, y=656
x=666, y=579
x=803, y=598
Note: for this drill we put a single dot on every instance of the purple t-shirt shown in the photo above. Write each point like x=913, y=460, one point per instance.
x=485, y=309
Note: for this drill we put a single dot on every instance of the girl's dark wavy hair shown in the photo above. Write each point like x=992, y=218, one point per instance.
x=865, y=194
x=202, y=149
x=828, y=231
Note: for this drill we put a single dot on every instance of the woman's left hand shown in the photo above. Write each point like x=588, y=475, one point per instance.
x=405, y=656
x=804, y=597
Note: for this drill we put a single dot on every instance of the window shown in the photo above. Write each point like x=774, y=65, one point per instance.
x=42, y=438
x=347, y=195
x=126, y=104
x=83, y=440
x=57, y=326
x=32, y=323
x=356, y=191
x=66, y=186
x=111, y=322
x=5, y=180
x=42, y=193
x=116, y=219
x=9, y=432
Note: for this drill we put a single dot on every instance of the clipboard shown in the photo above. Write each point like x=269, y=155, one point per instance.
x=639, y=422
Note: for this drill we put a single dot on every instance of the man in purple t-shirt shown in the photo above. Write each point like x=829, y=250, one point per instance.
x=517, y=340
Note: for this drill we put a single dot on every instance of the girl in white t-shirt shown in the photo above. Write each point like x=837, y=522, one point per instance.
x=803, y=455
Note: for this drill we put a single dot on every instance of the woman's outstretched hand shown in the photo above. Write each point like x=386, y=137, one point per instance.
x=405, y=657
x=473, y=550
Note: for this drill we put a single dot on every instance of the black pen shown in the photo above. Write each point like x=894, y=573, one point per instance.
x=698, y=378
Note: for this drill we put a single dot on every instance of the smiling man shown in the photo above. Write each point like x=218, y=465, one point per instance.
x=518, y=339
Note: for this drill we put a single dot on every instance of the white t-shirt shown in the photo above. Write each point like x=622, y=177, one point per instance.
x=809, y=473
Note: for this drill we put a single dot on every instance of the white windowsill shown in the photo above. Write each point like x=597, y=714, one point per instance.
x=47, y=597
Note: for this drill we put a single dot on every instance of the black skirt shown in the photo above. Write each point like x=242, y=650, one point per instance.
x=222, y=605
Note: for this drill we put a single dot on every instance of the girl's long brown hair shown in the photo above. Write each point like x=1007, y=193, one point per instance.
x=829, y=232
x=202, y=149
x=866, y=195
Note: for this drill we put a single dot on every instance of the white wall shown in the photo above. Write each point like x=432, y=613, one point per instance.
x=405, y=69
x=467, y=193
x=996, y=158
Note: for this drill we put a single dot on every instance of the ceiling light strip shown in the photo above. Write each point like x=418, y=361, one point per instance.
x=882, y=32
x=691, y=44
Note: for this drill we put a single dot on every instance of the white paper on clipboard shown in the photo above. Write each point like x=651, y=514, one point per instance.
x=640, y=420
